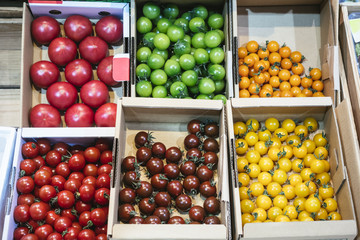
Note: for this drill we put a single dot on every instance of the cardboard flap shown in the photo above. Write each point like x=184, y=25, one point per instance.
x=330, y=66
x=339, y=177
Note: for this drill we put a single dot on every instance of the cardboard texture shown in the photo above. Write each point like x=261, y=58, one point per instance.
x=223, y=6
x=168, y=122
x=324, y=112
x=31, y=52
x=305, y=26
x=22, y=136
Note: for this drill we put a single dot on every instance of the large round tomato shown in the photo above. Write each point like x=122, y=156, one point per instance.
x=77, y=27
x=44, y=29
x=61, y=95
x=105, y=71
x=44, y=73
x=62, y=51
x=79, y=115
x=110, y=29
x=93, y=49
x=94, y=93
x=44, y=115
x=78, y=72
x=105, y=116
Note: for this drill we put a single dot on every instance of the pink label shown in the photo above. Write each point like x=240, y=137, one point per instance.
x=46, y=1
x=121, y=68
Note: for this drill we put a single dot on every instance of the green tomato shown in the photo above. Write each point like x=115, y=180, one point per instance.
x=217, y=55
x=219, y=86
x=159, y=92
x=142, y=54
x=163, y=53
x=200, y=11
x=194, y=90
x=143, y=25
x=221, y=33
x=171, y=11
x=148, y=40
x=183, y=23
x=161, y=41
x=144, y=88
x=201, y=56
x=182, y=47
x=158, y=77
x=143, y=71
x=172, y=68
x=197, y=24
x=212, y=39
x=175, y=33
x=155, y=61
x=198, y=40
x=156, y=20
x=206, y=86
x=187, y=62
x=168, y=84
x=220, y=97
x=217, y=72
x=203, y=96
x=187, y=15
x=216, y=21
x=189, y=77
x=163, y=25
x=179, y=90
x=175, y=58
x=187, y=38
x=151, y=10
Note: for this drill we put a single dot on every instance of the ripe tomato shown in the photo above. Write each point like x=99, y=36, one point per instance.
x=102, y=196
x=87, y=192
x=105, y=71
x=98, y=217
x=42, y=177
x=22, y=213
x=44, y=29
x=44, y=73
x=44, y=231
x=77, y=27
x=110, y=29
x=79, y=115
x=46, y=193
x=38, y=210
x=106, y=168
x=77, y=162
x=19, y=232
x=61, y=224
x=90, y=170
x=86, y=234
x=105, y=116
x=94, y=93
x=93, y=49
x=62, y=51
x=44, y=115
x=78, y=72
x=66, y=199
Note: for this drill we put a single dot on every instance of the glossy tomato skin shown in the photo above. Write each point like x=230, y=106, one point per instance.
x=98, y=217
x=77, y=27
x=87, y=193
x=42, y=177
x=44, y=146
x=78, y=72
x=19, y=232
x=105, y=116
x=90, y=170
x=44, y=231
x=77, y=175
x=54, y=236
x=194, y=126
x=61, y=147
x=28, y=166
x=158, y=150
x=93, y=49
x=79, y=115
x=176, y=220
x=89, y=180
x=44, y=29
x=188, y=168
x=30, y=149
x=143, y=154
x=110, y=29
x=152, y=220
x=27, y=199
x=102, y=196
x=207, y=189
x=86, y=234
x=66, y=199
x=61, y=224
x=72, y=233
x=173, y=155
x=174, y=188
x=53, y=158
x=44, y=73
x=94, y=93
x=212, y=220
x=58, y=181
x=61, y=95
x=212, y=205
x=144, y=190
x=103, y=181
x=22, y=213
x=39, y=210
x=63, y=169
x=92, y=154
x=105, y=168
x=62, y=51
x=197, y=213
x=44, y=115
x=46, y=193
x=183, y=202
x=105, y=71
x=30, y=236
x=106, y=157
x=102, y=144
x=51, y=216
x=136, y=220
x=125, y=212
x=171, y=171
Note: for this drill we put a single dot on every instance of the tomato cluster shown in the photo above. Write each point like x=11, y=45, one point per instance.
x=160, y=186
x=62, y=96
x=274, y=71
x=180, y=57
x=283, y=171
x=63, y=191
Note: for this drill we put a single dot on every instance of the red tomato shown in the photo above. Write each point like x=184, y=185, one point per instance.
x=105, y=71
x=77, y=27
x=110, y=29
x=72, y=185
x=87, y=193
x=103, y=181
x=77, y=175
x=30, y=237
x=61, y=147
x=102, y=144
x=79, y=115
x=25, y=184
x=102, y=196
x=89, y=180
x=101, y=236
x=44, y=29
x=39, y=162
x=106, y=168
x=58, y=181
x=92, y=154
x=93, y=49
x=84, y=218
x=61, y=95
x=70, y=213
x=54, y=236
x=61, y=224
x=44, y=231
x=106, y=157
x=77, y=162
x=62, y=50
x=30, y=149
x=38, y=211
x=42, y=177
x=44, y=145
x=86, y=234
x=98, y=217
x=66, y=199
x=78, y=72
x=90, y=170
x=105, y=116
x=44, y=115
x=19, y=232
x=94, y=93
x=81, y=207
x=27, y=199
x=72, y=233
x=53, y=158
x=51, y=216
x=63, y=169
x=28, y=166
x=44, y=73
x=46, y=193
x=22, y=213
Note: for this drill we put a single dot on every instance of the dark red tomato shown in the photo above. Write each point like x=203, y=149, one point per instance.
x=152, y=220
x=102, y=144
x=44, y=73
x=191, y=141
x=44, y=29
x=105, y=116
x=174, y=188
x=44, y=231
x=58, y=181
x=38, y=211
x=46, y=193
x=22, y=213
x=194, y=126
x=19, y=232
x=171, y=171
x=163, y=213
x=30, y=237
x=188, y=168
x=142, y=138
x=101, y=236
x=197, y=213
x=104, y=169
x=158, y=150
x=94, y=93
x=136, y=220
x=28, y=166
x=44, y=146
x=103, y=181
x=90, y=170
x=27, y=199
x=72, y=185
x=106, y=157
x=211, y=130
x=144, y=189
x=77, y=175
x=154, y=165
x=76, y=149
x=93, y=49
x=143, y=154
x=44, y=115
x=211, y=145
x=147, y=206
x=76, y=225
x=30, y=149
x=70, y=213
x=191, y=184
x=130, y=178
x=86, y=234
x=33, y=224
x=98, y=217
x=62, y=51
x=54, y=236
x=61, y=224
x=126, y=212
x=207, y=189
x=79, y=115
x=87, y=192
x=84, y=218
x=110, y=29
x=39, y=162
x=183, y=202
x=176, y=220
x=80, y=206
x=53, y=159
x=204, y=173
x=128, y=164
x=212, y=205
x=211, y=158
x=106, y=209
x=77, y=27
x=72, y=233
x=102, y=196
x=62, y=148
x=212, y=220
x=61, y=95
x=162, y=199
x=173, y=155
x=193, y=154
x=159, y=182
x=42, y=177
x=89, y=180
x=51, y=216
x=62, y=169
x=25, y=184
x=47, y=168
x=92, y=154
x=105, y=71
x=101, y=230
x=77, y=162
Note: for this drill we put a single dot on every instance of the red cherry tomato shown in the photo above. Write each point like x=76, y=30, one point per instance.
x=44, y=29
x=22, y=213
x=30, y=149
x=66, y=199
x=106, y=157
x=77, y=162
x=92, y=154
x=46, y=193
x=39, y=210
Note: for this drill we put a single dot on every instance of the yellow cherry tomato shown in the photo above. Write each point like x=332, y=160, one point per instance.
x=239, y=128
x=244, y=179
x=265, y=178
x=297, y=165
x=282, y=218
x=303, y=215
x=263, y=202
x=246, y=218
x=326, y=191
x=293, y=140
x=301, y=190
x=251, y=138
x=307, y=219
x=253, y=156
x=281, y=133
x=252, y=125
x=327, y=165
x=284, y=164
x=289, y=191
x=330, y=204
x=320, y=139
x=286, y=151
x=242, y=164
x=259, y=214
x=295, y=179
x=307, y=174
x=275, y=142
x=299, y=203
x=273, y=212
x=253, y=170
x=310, y=145
x=266, y=164
x=312, y=205
x=301, y=131
x=289, y=125
x=312, y=186
x=264, y=135
x=241, y=146
x=290, y=211
x=280, y=201
x=274, y=153
x=247, y=206
x=256, y=189
x=308, y=159
x=261, y=147
x=311, y=124
x=321, y=153
x=273, y=189
x=322, y=214
x=300, y=151
x=243, y=193
x=334, y=216
x=322, y=178
x=271, y=124
x=279, y=176
x=317, y=166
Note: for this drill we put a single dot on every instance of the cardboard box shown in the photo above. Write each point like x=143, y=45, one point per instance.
x=27, y=134
x=222, y=6
x=305, y=26
x=31, y=53
x=323, y=111
x=168, y=122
